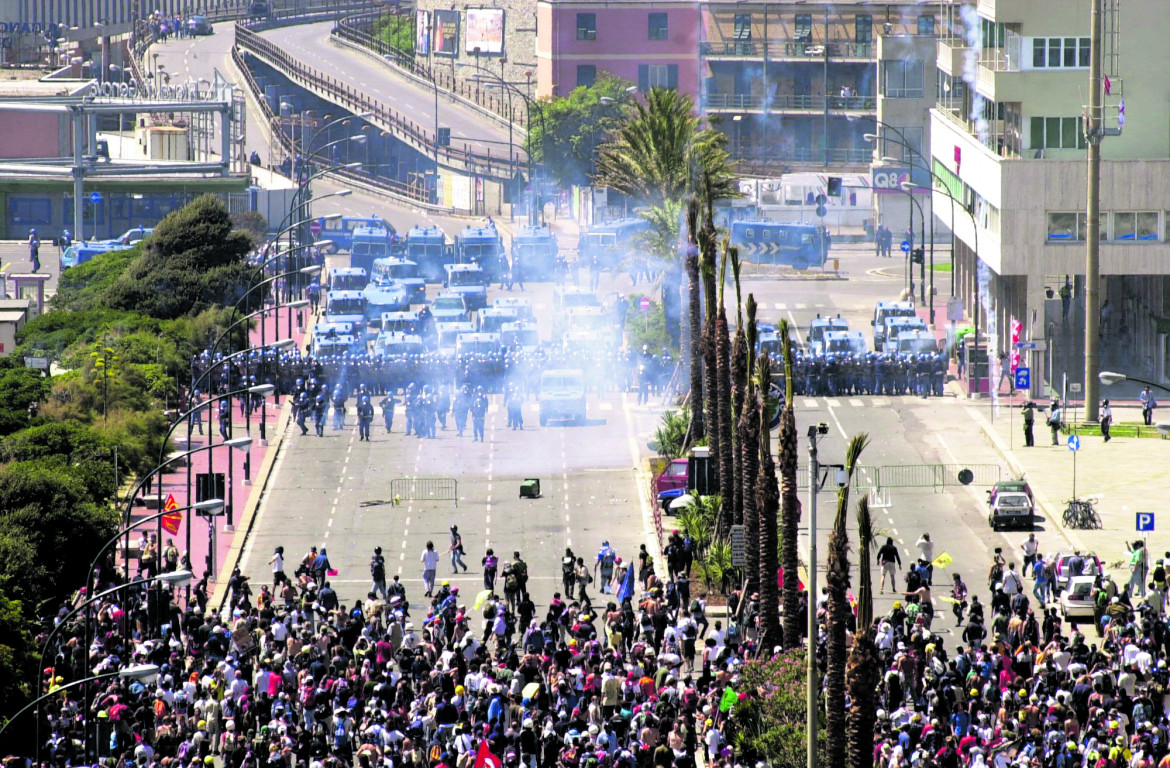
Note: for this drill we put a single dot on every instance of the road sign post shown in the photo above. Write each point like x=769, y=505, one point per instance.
x=1144, y=522
x=1023, y=378
x=315, y=227
x=738, y=550
x=95, y=199
x=1074, y=445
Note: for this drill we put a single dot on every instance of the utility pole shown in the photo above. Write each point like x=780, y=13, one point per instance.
x=1093, y=134
x=813, y=683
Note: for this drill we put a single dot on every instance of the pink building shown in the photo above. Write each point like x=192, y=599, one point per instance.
x=649, y=44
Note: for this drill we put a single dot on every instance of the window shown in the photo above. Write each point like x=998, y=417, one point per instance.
x=1131, y=227
x=1056, y=133
x=912, y=152
x=657, y=76
x=658, y=28
x=586, y=26
x=803, y=28
x=743, y=26
x=903, y=79
x=586, y=75
x=1062, y=227
x=1082, y=227
x=1060, y=53
x=926, y=24
x=863, y=28
x=31, y=210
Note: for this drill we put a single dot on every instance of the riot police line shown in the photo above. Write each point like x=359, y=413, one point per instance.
x=871, y=373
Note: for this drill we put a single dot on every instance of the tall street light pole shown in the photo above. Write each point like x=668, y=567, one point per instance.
x=813, y=685
x=1093, y=135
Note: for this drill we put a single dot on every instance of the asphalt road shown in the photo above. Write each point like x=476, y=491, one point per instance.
x=328, y=491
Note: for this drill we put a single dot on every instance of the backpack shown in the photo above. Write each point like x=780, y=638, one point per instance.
x=510, y=583
x=607, y=560
x=490, y=562
x=567, y=566
x=378, y=568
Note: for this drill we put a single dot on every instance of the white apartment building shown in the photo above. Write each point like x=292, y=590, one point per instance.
x=1007, y=141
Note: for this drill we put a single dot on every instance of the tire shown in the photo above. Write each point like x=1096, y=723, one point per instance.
x=991, y=522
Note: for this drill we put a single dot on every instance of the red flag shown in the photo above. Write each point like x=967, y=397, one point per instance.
x=1108, y=85
x=171, y=520
x=485, y=759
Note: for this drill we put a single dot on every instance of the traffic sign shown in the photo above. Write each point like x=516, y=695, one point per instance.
x=1144, y=522
x=315, y=227
x=905, y=246
x=1026, y=345
x=95, y=197
x=1023, y=378
x=644, y=304
x=1074, y=443
x=753, y=249
x=1075, y=388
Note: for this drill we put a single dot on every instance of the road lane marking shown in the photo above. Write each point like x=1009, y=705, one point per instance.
x=780, y=305
x=855, y=402
x=801, y=306
x=810, y=403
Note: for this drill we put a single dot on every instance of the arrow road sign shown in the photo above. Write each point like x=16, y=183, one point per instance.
x=905, y=246
x=1023, y=378
x=1145, y=522
x=1074, y=443
x=95, y=197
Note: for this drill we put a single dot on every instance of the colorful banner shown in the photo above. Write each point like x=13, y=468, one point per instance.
x=484, y=757
x=446, y=37
x=173, y=519
x=422, y=32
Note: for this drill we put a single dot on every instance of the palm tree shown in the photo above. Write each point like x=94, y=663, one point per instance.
x=749, y=468
x=707, y=265
x=660, y=151
x=768, y=505
x=739, y=375
x=864, y=671
x=837, y=581
x=789, y=558
x=694, y=336
x=723, y=399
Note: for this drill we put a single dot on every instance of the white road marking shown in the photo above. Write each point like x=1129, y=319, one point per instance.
x=801, y=306
x=811, y=403
x=855, y=402
x=780, y=305
x=832, y=403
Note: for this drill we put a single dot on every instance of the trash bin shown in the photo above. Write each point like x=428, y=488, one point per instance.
x=530, y=488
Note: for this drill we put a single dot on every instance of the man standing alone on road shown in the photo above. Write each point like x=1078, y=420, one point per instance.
x=891, y=560
x=1149, y=403
x=1054, y=417
x=1029, y=420
x=1106, y=419
x=378, y=573
x=430, y=561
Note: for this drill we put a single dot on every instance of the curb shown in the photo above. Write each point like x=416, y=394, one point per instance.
x=1052, y=512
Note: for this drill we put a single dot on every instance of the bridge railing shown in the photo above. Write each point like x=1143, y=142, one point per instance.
x=348, y=97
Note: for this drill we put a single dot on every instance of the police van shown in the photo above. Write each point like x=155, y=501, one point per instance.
x=400, y=322
x=493, y=319
x=887, y=309
x=348, y=279
x=477, y=344
x=521, y=305
x=917, y=342
x=845, y=342
x=562, y=396
x=393, y=344
x=520, y=335
x=448, y=335
x=896, y=327
x=346, y=307
x=469, y=281
x=819, y=327
x=334, y=345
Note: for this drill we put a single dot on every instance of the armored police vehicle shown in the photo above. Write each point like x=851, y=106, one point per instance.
x=887, y=309
x=521, y=305
x=427, y=247
x=819, y=327
x=536, y=250
x=608, y=245
x=493, y=319
x=384, y=297
x=450, y=308
x=482, y=246
x=348, y=279
x=367, y=245
x=347, y=307
x=469, y=281
x=447, y=335
x=562, y=396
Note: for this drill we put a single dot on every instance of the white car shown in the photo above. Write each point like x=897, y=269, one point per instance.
x=1076, y=602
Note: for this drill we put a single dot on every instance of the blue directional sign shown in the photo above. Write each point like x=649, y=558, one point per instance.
x=95, y=197
x=1145, y=522
x=1074, y=443
x=1023, y=378
x=905, y=246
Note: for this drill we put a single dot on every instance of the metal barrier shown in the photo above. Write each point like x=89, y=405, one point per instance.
x=351, y=98
x=935, y=476
x=424, y=489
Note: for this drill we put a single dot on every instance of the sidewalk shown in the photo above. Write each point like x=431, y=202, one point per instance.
x=1127, y=474
x=243, y=489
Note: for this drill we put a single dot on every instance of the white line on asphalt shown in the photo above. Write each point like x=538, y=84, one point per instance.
x=330, y=524
x=832, y=403
x=855, y=402
x=780, y=305
x=795, y=327
x=893, y=530
x=801, y=306
x=811, y=403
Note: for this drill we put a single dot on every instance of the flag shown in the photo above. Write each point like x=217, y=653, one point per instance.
x=1108, y=85
x=480, y=599
x=626, y=591
x=484, y=757
x=1121, y=114
x=729, y=698
x=173, y=518
x=942, y=561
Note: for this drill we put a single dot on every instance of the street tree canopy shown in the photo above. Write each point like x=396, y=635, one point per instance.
x=574, y=126
x=661, y=151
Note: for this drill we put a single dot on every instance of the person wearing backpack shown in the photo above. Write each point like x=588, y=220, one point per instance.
x=491, y=564
x=606, y=558
x=568, y=577
x=378, y=573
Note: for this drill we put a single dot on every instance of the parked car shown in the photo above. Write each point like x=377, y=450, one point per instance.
x=1091, y=565
x=1076, y=602
x=672, y=483
x=1010, y=504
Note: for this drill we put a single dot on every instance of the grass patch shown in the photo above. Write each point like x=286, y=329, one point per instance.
x=1123, y=429
x=942, y=267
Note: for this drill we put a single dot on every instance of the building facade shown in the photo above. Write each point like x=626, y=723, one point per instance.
x=648, y=44
x=1007, y=141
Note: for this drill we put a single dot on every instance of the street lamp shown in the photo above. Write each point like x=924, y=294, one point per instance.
x=1109, y=378
x=908, y=188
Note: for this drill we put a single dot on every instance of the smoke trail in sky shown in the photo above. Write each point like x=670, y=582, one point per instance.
x=972, y=29
x=993, y=363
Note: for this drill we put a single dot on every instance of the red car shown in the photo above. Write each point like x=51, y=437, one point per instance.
x=673, y=481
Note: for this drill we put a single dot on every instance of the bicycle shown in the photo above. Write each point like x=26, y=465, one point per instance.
x=1081, y=514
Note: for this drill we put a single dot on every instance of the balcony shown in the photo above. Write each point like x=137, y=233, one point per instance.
x=757, y=156
x=950, y=54
x=746, y=102
x=996, y=65
x=788, y=50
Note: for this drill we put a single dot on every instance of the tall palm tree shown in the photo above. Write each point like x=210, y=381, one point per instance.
x=768, y=506
x=749, y=469
x=660, y=151
x=790, y=559
x=739, y=375
x=837, y=581
x=694, y=335
x=723, y=399
x=708, y=265
x=864, y=670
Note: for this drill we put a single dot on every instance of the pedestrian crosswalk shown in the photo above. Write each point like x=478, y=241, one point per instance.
x=871, y=401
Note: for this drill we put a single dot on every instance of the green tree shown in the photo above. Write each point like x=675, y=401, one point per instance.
x=194, y=260
x=768, y=508
x=864, y=671
x=662, y=242
x=74, y=448
x=694, y=335
x=768, y=720
x=49, y=530
x=837, y=578
x=18, y=388
x=661, y=151
x=17, y=656
x=565, y=140
x=790, y=504
x=396, y=30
